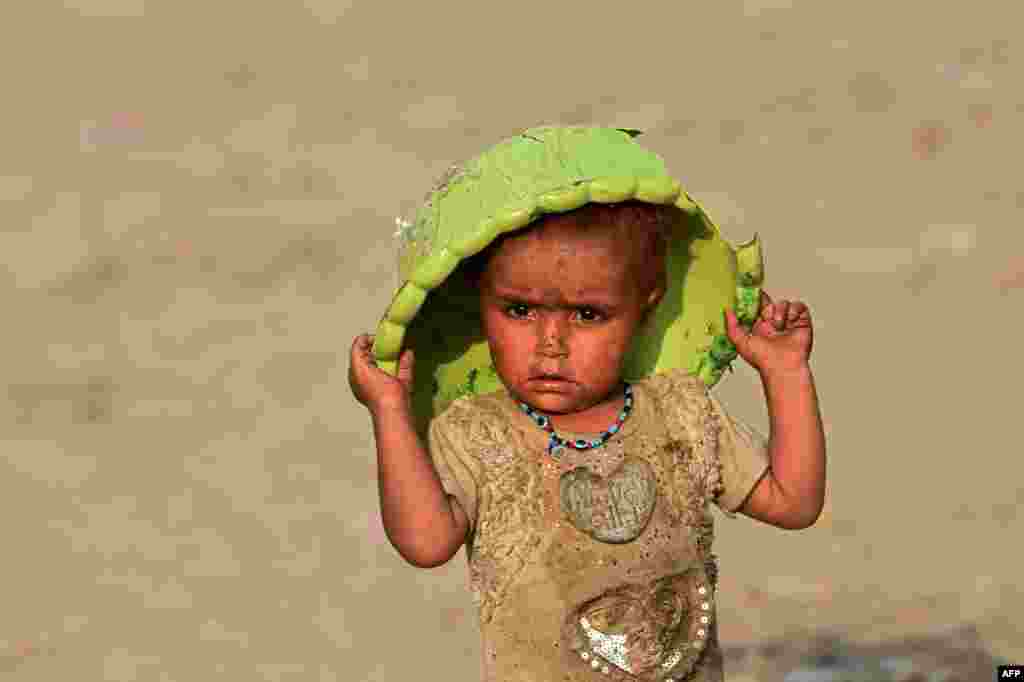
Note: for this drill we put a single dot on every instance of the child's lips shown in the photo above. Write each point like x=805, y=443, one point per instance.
x=554, y=383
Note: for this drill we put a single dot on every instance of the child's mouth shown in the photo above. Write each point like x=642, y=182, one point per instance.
x=552, y=381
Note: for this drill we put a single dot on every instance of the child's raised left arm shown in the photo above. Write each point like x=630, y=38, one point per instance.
x=791, y=495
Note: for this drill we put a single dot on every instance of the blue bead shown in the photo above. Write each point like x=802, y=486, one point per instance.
x=614, y=428
x=581, y=444
x=596, y=443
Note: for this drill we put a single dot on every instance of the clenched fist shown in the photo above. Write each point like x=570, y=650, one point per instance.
x=372, y=386
x=780, y=339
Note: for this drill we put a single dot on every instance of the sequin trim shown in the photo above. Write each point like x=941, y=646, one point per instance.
x=602, y=650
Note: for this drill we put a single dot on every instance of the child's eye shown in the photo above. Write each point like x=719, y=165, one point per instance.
x=514, y=306
x=519, y=310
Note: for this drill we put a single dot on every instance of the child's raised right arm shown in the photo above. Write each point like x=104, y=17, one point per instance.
x=419, y=517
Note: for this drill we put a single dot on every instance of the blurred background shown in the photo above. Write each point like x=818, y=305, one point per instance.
x=197, y=208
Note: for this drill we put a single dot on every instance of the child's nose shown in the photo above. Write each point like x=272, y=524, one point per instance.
x=553, y=348
x=552, y=336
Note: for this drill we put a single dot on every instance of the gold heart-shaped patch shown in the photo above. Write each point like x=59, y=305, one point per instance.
x=615, y=509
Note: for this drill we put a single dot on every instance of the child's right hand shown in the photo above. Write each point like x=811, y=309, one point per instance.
x=372, y=386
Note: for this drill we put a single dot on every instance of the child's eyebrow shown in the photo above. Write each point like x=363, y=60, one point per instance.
x=586, y=298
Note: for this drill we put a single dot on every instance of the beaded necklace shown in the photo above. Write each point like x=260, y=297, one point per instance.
x=556, y=443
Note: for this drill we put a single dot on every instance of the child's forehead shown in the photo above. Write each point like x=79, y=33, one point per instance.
x=618, y=247
x=525, y=274
x=569, y=239
x=625, y=238
x=546, y=294
x=565, y=251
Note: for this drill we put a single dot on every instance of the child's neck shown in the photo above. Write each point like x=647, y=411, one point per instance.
x=595, y=419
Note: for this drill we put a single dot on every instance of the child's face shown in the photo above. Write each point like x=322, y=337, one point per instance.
x=565, y=303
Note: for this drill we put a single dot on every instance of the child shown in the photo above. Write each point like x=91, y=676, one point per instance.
x=581, y=499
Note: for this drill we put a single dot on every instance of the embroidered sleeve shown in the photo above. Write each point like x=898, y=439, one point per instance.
x=458, y=472
x=742, y=455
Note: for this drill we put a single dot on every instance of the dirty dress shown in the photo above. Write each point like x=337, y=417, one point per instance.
x=597, y=566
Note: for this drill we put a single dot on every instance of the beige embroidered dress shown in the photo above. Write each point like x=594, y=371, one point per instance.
x=597, y=566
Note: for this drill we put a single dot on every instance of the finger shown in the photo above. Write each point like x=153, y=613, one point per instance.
x=762, y=325
x=405, y=364
x=780, y=314
x=362, y=350
x=358, y=347
x=800, y=316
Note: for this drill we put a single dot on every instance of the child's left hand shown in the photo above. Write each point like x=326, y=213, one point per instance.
x=780, y=339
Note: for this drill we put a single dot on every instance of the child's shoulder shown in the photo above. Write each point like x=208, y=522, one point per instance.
x=675, y=384
x=475, y=413
x=679, y=402
x=492, y=404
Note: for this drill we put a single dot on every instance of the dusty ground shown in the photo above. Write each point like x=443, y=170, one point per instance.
x=196, y=209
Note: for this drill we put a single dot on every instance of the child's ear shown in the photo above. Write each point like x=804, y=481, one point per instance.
x=653, y=300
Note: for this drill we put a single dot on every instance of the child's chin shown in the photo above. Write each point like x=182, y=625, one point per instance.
x=551, y=402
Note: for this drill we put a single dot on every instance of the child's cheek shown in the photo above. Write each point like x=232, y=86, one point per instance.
x=503, y=341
